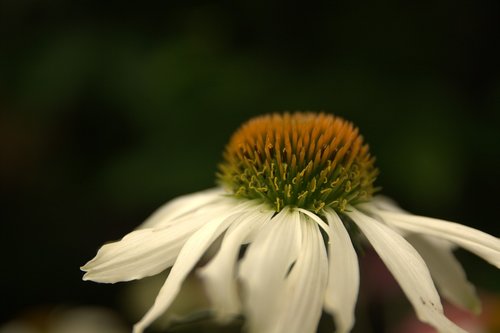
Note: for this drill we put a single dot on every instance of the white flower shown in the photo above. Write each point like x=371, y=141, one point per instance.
x=277, y=198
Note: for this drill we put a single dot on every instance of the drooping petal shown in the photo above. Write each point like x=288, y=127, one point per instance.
x=446, y=271
x=219, y=274
x=264, y=267
x=343, y=281
x=145, y=252
x=384, y=203
x=305, y=285
x=473, y=240
x=189, y=255
x=409, y=269
x=180, y=206
x=316, y=219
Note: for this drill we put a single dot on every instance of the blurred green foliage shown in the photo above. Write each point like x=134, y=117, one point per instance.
x=108, y=110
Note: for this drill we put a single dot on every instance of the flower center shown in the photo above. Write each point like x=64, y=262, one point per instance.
x=306, y=160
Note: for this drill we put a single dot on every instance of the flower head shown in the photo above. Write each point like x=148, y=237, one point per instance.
x=297, y=189
x=305, y=160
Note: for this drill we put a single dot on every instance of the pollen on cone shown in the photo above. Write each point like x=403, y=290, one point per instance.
x=306, y=160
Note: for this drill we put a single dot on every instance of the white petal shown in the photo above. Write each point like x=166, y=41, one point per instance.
x=446, y=271
x=179, y=206
x=219, y=274
x=385, y=203
x=408, y=268
x=305, y=285
x=145, y=252
x=263, y=270
x=478, y=242
x=343, y=282
x=189, y=255
x=318, y=220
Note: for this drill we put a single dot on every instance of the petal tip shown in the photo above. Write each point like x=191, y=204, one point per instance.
x=86, y=267
x=138, y=328
x=86, y=277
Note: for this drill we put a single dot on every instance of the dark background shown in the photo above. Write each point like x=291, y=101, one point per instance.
x=109, y=109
